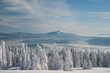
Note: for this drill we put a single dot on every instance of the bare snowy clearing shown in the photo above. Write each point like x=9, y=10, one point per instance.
x=75, y=70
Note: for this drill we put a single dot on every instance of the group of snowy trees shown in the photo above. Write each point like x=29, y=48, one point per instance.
x=51, y=59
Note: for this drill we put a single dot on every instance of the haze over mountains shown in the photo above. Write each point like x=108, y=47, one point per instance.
x=54, y=37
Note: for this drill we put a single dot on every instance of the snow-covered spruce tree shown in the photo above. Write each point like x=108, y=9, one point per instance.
x=54, y=62
x=108, y=59
x=36, y=62
x=100, y=59
x=68, y=63
x=77, y=64
x=28, y=60
x=50, y=56
x=81, y=58
x=85, y=64
x=18, y=56
x=93, y=58
x=86, y=55
x=76, y=58
x=38, y=50
x=9, y=57
x=4, y=56
x=89, y=65
x=23, y=57
x=40, y=59
x=1, y=58
x=61, y=61
x=15, y=57
x=63, y=53
x=39, y=56
x=44, y=61
x=73, y=59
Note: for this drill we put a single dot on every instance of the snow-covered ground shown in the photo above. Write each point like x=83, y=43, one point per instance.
x=75, y=70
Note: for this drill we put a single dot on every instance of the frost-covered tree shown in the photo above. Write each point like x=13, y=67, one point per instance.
x=56, y=62
x=100, y=59
x=85, y=64
x=68, y=63
x=89, y=65
x=42, y=57
x=50, y=60
x=86, y=56
x=54, y=59
x=23, y=57
x=93, y=58
x=28, y=60
x=1, y=58
x=9, y=58
x=36, y=62
x=44, y=60
x=108, y=59
x=4, y=56
x=76, y=58
x=15, y=57
x=61, y=61
x=38, y=50
x=81, y=58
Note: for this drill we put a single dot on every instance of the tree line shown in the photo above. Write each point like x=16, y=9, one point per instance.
x=51, y=59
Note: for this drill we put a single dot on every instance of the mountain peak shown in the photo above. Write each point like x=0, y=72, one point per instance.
x=55, y=32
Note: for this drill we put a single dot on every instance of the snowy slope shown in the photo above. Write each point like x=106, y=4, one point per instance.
x=76, y=70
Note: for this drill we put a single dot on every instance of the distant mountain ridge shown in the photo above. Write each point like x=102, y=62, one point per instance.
x=54, y=37
x=55, y=34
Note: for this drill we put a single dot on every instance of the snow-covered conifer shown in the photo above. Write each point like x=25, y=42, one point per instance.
x=54, y=59
x=10, y=58
x=44, y=61
x=100, y=58
x=68, y=63
x=76, y=58
x=81, y=58
x=85, y=64
x=89, y=65
x=93, y=57
x=36, y=62
x=23, y=57
x=1, y=58
x=4, y=56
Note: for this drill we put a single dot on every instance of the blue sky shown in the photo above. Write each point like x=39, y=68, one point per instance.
x=82, y=17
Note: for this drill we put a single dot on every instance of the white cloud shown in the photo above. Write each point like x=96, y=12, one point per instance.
x=18, y=5
x=101, y=15
x=9, y=25
x=45, y=10
x=51, y=15
x=40, y=8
